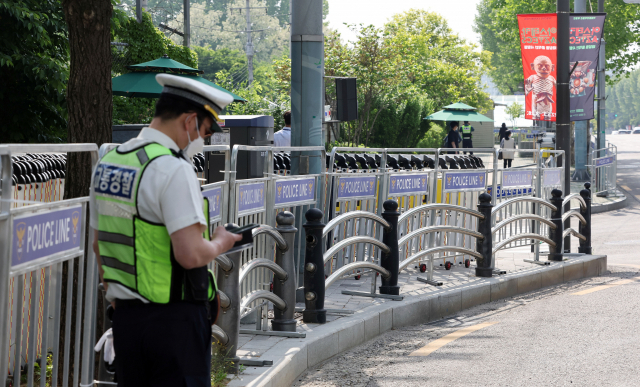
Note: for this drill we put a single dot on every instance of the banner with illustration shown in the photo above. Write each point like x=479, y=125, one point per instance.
x=538, y=45
x=584, y=44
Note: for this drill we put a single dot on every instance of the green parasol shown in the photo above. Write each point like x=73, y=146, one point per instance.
x=142, y=84
x=458, y=112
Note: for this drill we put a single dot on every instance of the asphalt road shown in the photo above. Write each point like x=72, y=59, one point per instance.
x=583, y=333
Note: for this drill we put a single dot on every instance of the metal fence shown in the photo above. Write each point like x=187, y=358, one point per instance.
x=42, y=237
x=441, y=216
x=604, y=169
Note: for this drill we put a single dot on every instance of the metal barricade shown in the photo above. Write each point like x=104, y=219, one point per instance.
x=259, y=200
x=604, y=170
x=41, y=236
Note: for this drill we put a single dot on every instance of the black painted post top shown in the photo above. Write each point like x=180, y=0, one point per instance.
x=314, y=219
x=556, y=193
x=485, y=199
x=390, y=207
x=285, y=221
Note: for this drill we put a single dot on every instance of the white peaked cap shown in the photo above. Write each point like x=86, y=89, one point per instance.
x=204, y=96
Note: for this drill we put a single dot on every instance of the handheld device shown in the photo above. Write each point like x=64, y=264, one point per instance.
x=247, y=236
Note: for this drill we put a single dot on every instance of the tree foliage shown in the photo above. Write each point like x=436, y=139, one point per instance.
x=623, y=104
x=34, y=70
x=146, y=43
x=415, y=59
x=514, y=111
x=497, y=24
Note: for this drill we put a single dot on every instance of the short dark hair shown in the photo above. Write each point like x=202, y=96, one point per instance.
x=287, y=117
x=454, y=124
x=507, y=133
x=171, y=106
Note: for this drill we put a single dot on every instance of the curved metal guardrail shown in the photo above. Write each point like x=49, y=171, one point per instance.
x=575, y=196
x=523, y=217
x=523, y=236
x=438, y=206
x=353, y=215
x=261, y=295
x=351, y=241
x=523, y=199
x=262, y=262
x=427, y=230
x=574, y=233
x=575, y=213
x=273, y=233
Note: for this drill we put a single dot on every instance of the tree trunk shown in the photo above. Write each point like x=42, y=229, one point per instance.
x=89, y=105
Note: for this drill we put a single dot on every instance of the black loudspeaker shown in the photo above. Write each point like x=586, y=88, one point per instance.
x=347, y=99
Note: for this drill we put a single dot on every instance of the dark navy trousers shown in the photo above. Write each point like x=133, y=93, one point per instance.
x=162, y=345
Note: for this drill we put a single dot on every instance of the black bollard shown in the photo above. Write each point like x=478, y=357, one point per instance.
x=283, y=320
x=555, y=253
x=484, y=246
x=314, y=311
x=585, y=230
x=391, y=261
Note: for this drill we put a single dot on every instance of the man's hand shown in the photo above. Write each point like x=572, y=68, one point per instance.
x=224, y=239
x=192, y=250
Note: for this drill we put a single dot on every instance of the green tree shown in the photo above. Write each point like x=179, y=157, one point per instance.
x=439, y=63
x=497, y=24
x=515, y=111
x=146, y=43
x=623, y=106
x=402, y=125
x=212, y=61
x=34, y=69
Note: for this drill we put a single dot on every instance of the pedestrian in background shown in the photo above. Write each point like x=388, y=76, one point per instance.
x=283, y=137
x=453, y=138
x=507, y=146
x=503, y=130
x=467, y=136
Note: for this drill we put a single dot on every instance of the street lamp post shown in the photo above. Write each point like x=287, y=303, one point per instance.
x=563, y=129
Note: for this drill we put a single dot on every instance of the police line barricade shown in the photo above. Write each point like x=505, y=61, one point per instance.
x=603, y=168
x=551, y=178
x=259, y=200
x=39, y=242
x=459, y=184
x=518, y=181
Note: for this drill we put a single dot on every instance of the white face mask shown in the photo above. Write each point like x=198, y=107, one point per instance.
x=196, y=146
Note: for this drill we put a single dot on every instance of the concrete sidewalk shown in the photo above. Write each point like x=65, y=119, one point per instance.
x=422, y=303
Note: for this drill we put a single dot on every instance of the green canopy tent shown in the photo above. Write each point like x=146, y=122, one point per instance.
x=458, y=112
x=141, y=82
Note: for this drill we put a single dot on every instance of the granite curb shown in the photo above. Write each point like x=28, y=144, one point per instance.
x=292, y=357
x=615, y=205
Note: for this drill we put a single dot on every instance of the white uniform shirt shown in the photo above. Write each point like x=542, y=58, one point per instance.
x=282, y=137
x=168, y=193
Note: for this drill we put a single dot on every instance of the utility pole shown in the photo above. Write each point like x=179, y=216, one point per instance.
x=187, y=23
x=307, y=97
x=140, y=5
x=580, y=127
x=249, y=47
x=563, y=125
x=601, y=92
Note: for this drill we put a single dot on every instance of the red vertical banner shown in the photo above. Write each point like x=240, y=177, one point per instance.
x=538, y=44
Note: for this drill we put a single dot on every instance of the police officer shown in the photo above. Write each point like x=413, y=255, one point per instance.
x=152, y=241
x=467, y=137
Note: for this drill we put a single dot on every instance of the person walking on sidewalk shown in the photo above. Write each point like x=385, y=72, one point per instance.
x=503, y=130
x=508, y=146
x=152, y=242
